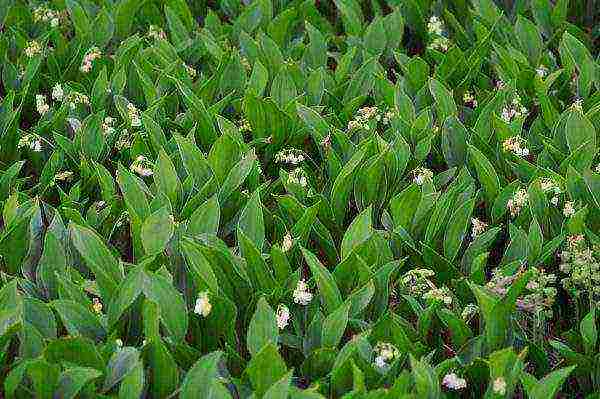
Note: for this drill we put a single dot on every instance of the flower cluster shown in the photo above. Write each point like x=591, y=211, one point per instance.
x=45, y=14
x=582, y=268
x=124, y=140
x=203, y=305
x=550, y=186
x=142, y=166
x=516, y=145
x=478, y=227
x=88, y=60
x=541, y=71
x=569, y=209
x=454, y=382
x=385, y=353
x=517, y=202
x=469, y=99
x=416, y=281
x=435, y=27
x=191, y=71
x=500, y=283
x=31, y=141
x=514, y=110
x=283, y=316
x=107, y=125
x=40, y=104
x=75, y=98
x=442, y=295
x=245, y=126
x=245, y=63
x=499, y=386
x=58, y=92
x=302, y=294
x=297, y=176
x=291, y=156
x=64, y=175
x=97, y=305
x=540, y=294
x=422, y=175
x=33, y=48
x=156, y=33
x=287, y=243
x=362, y=118
x=469, y=311
x=134, y=115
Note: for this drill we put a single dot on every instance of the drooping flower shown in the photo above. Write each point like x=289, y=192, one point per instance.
x=478, y=227
x=88, y=60
x=569, y=209
x=385, y=353
x=142, y=166
x=454, y=382
x=40, y=104
x=283, y=316
x=33, y=48
x=287, y=243
x=422, y=175
x=97, y=305
x=499, y=386
x=302, y=295
x=57, y=92
x=203, y=306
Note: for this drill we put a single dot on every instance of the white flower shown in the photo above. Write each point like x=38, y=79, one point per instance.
x=478, y=227
x=203, y=306
x=65, y=175
x=154, y=32
x=422, y=175
x=36, y=145
x=578, y=105
x=87, y=63
x=40, y=104
x=454, y=382
x=541, y=71
x=57, y=92
x=517, y=202
x=380, y=362
x=54, y=22
x=469, y=99
x=97, y=305
x=568, y=210
x=435, y=26
x=598, y=168
x=499, y=386
x=142, y=166
x=134, y=115
x=385, y=353
x=288, y=242
x=302, y=295
x=554, y=200
x=283, y=316
x=297, y=176
x=33, y=48
x=119, y=342
x=290, y=156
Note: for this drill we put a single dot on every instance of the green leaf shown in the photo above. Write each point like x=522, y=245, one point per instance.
x=121, y=363
x=251, y=221
x=78, y=320
x=457, y=228
x=262, y=330
x=157, y=231
x=236, y=177
x=486, y=174
x=334, y=326
x=360, y=230
x=173, y=311
x=589, y=332
x=72, y=380
x=332, y=299
x=265, y=369
x=202, y=381
x=100, y=260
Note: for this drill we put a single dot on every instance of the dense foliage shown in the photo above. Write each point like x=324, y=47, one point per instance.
x=299, y=199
